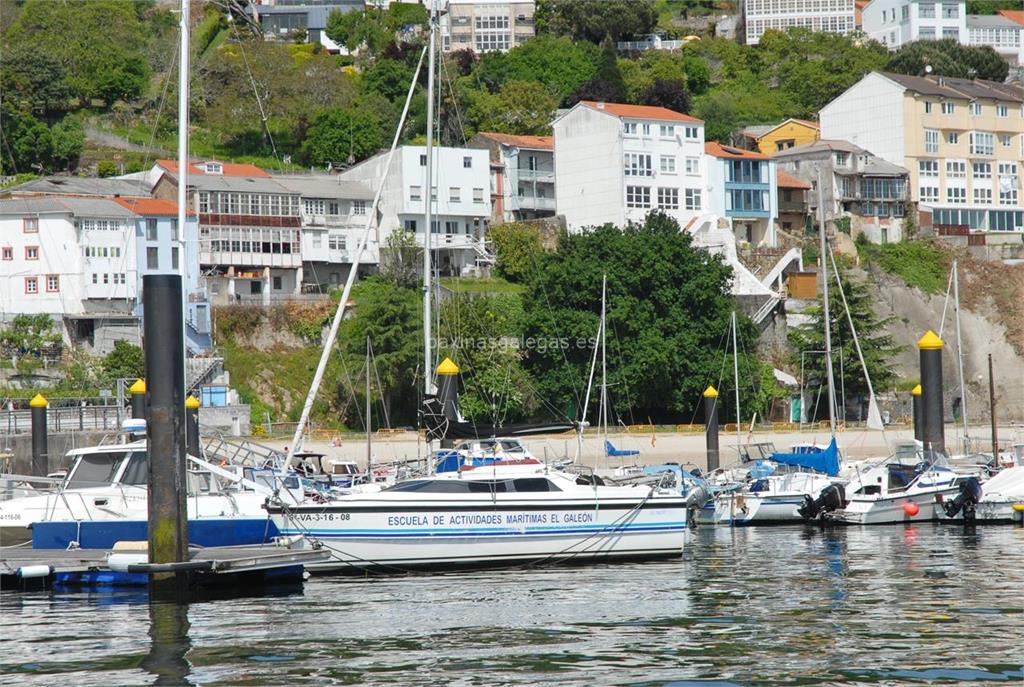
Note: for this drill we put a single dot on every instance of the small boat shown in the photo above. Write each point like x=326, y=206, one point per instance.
x=999, y=500
x=503, y=514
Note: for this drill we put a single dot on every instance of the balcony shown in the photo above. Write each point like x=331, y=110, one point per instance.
x=240, y=258
x=534, y=203
x=541, y=176
x=793, y=207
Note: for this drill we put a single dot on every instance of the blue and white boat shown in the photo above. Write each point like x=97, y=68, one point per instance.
x=503, y=514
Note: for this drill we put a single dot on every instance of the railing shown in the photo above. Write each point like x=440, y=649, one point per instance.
x=540, y=175
x=277, y=298
x=535, y=203
x=793, y=206
x=65, y=419
x=627, y=46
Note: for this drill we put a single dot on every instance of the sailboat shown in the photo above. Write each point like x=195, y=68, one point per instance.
x=507, y=512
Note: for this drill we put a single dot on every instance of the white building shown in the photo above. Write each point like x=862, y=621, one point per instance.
x=334, y=213
x=742, y=186
x=833, y=16
x=487, y=25
x=522, y=175
x=615, y=163
x=461, y=199
x=81, y=261
x=894, y=23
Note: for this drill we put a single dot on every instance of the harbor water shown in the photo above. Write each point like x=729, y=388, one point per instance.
x=916, y=605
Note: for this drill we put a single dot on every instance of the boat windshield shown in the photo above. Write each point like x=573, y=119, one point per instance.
x=94, y=469
x=451, y=486
x=137, y=471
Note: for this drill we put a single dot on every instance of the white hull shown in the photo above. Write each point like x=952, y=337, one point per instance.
x=757, y=509
x=395, y=535
x=888, y=510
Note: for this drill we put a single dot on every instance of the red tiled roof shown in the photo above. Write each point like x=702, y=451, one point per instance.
x=537, y=142
x=151, y=207
x=718, y=150
x=640, y=111
x=1013, y=15
x=231, y=169
x=789, y=181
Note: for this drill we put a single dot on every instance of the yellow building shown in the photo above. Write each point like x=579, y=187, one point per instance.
x=769, y=139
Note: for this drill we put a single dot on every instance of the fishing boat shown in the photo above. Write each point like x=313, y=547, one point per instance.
x=504, y=514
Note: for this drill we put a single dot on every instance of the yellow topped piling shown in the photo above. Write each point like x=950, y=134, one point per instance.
x=710, y=392
x=930, y=341
x=916, y=391
x=447, y=367
x=139, y=387
x=192, y=402
x=39, y=401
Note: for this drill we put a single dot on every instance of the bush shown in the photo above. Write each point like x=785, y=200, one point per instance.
x=918, y=263
x=518, y=248
x=106, y=168
x=125, y=361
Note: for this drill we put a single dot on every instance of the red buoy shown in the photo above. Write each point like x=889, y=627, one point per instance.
x=911, y=508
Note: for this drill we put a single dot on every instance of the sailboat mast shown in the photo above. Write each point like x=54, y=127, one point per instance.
x=960, y=355
x=823, y=253
x=369, y=440
x=183, y=69
x=604, y=365
x=428, y=198
x=736, y=382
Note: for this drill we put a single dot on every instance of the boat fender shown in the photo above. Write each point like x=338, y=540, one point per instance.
x=911, y=508
x=27, y=572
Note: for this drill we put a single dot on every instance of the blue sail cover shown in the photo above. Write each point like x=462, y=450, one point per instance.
x=826, y=461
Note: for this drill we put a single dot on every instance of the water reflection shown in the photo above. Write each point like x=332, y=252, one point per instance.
x=169, y=644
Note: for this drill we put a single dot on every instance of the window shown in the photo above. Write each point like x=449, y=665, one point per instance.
x=956, y=169
x=314, y=206
x=745, y=171
x=31, y=252
x=668, y=198
x=174, y=257
x=467, y=162
x=415, y=193
x=52, y=283
x=151, y=234
x=692, y=198
x=975, y=108
x=842, y=159
x=1002, y=111
x=982, y=143
x=638, y=197
x=174, y=229
x=929, y=194
x=8, y=253
x=277, y=283
x=1007, y=140
x=952, y=138
x=410, y=225
x=981, y=170
x=667, y=164
x=956, y=195
x=948, y=107
x=336, y=242
x=927, y=107
x=693, y=166
x=454, y=193
x=30, y=225
x=926, y=33
x=153, y=258
x=952, y=33
x=692, y=133
x=928, y=168
x=478, y=195
x=931, y=141
x=950, y=10
x=1007, y=196
x=983, y=196
x=926, y=10
x=31, y=284
x=646, y=129
x=334, y=208
x=906, y=12
x=1007, y=169
x=637, y=165
x=629, y=128
x=359, y=207
x=214, y=168
x=423, y=160
x=666, y=130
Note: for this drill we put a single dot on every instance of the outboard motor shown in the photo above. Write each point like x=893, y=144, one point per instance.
x=966, y=500
x=695, y=500
x=831, y=498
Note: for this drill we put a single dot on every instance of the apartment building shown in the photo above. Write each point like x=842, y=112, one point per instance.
x=486, y=25
x=249, y=229
x=82, y=260
x=742, y=186
x=615, y=163
x=334, y=214
x=522, y=175
x=869, y=191
x=894, y=23
x=461, y=200
x=961, y=141
x=833, y=16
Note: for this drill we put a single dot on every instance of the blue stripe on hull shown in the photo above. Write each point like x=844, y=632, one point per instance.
x=485, y=531
x=99, y=534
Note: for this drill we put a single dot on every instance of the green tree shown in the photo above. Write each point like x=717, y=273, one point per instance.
x=125, y=361
x=878, y=346
x=669, y=307
x=67, y=138
x=359, y=30
x=561, y=65
x=392, y=317
x=389, y=78
x=341, y=133
x=30, y=335
x=948, y=57
x=520, y=107
x=401, y=260
x=34, y=81
x=595, y=20
x=518, y=249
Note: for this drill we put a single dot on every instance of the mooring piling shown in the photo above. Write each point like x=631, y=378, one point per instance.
x=711, y=426
x=934, y=431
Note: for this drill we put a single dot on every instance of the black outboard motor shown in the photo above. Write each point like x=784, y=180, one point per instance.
x=831, y=498
x=966, y=500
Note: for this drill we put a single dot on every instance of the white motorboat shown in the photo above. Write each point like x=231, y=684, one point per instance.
x=999, y=500
x=503, y=514
x=774, y=499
